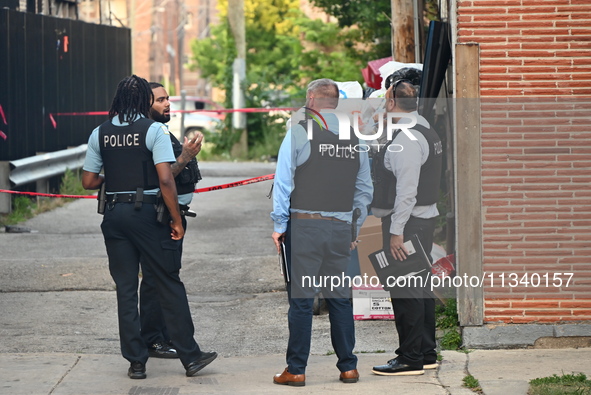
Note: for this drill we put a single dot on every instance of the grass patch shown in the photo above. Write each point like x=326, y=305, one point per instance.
x=446, y=319
x=265, y=151
x=451, y=340
x=472, y=383
x=370, y=352
x=71, y=184
x=566, y=384
x=24, y=207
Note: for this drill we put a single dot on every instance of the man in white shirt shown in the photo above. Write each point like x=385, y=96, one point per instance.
x=406, y=200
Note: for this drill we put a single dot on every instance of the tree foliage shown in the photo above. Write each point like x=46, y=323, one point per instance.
x=372, y=19
x=285, y=50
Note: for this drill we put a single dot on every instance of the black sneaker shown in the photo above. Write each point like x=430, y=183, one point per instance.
x=137, y=370
x=205, y=359
x=162, y=350
x=397, y=368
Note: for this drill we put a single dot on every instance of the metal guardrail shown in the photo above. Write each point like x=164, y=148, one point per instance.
x=36, y=169
x=40, y=167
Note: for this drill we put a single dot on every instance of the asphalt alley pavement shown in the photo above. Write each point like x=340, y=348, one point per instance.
x=59, y=324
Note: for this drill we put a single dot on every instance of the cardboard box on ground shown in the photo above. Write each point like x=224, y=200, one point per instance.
x=370, y=236
x=370, y=301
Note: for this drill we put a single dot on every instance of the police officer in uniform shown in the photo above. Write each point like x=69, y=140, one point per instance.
x=186, y=173
x=318, y=184
x=136, y=154
x=406, y=190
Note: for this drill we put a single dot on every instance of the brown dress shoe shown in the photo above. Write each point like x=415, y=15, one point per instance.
x=350, y=376
x=286, y=378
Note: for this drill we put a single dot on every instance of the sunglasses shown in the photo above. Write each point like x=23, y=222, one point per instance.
x=395, y=86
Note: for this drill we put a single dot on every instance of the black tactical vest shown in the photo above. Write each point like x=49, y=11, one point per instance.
x=326, y=181
x=127, y=161
x=190, y=175
x=384, y=182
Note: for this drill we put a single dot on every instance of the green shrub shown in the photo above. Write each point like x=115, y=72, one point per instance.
x=24, y=207
x=446, y=318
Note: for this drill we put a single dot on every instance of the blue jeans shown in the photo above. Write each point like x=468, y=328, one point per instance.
x=319, y=249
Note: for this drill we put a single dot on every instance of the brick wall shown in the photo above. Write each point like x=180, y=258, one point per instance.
x=535, y=85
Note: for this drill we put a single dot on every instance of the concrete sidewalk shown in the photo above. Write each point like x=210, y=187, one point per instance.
x=498, y=371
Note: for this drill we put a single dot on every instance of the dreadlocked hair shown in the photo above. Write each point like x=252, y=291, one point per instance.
x=133, y=97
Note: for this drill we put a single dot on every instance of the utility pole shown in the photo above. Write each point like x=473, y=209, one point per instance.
x=169, y=35
x=155, y=58
x=236, y=20
x=182, y=18
x=181, y=44
x=131, y=18
x=403, y=31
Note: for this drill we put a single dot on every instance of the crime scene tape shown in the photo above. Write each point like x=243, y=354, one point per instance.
x=52, y=116
x=54, y=195
x=236, y=184
x=198, y=190
x=63, y=114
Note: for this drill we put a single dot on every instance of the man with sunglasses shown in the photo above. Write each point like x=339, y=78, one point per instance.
x=406, y=201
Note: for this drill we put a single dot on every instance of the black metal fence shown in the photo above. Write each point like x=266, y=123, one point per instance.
x=51, y=66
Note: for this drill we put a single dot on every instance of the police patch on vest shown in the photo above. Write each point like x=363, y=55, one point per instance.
x=326, y=180
x=334, y=151
x=124, y=147
x=121, y=140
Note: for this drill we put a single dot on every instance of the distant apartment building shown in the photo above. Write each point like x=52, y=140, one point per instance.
x=161, y=34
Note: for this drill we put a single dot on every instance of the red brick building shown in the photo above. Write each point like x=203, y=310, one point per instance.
x=523, y=168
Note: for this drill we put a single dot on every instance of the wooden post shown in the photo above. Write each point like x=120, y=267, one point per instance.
x=403, y=42
x=468, y=184
x=5, y=198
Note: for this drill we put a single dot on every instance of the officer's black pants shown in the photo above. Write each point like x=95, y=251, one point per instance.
x=128, y=234
x=151, y=317
x=414, y=307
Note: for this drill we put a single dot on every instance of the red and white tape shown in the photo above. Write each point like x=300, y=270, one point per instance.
x=199, y=190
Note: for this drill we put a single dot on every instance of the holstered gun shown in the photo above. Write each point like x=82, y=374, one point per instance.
x=139, y=198
x=162, y=214
x=102, y=199
x=356, y=215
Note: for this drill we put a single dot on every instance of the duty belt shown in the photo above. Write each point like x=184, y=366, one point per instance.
x=314, y=216
x=130, y=198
